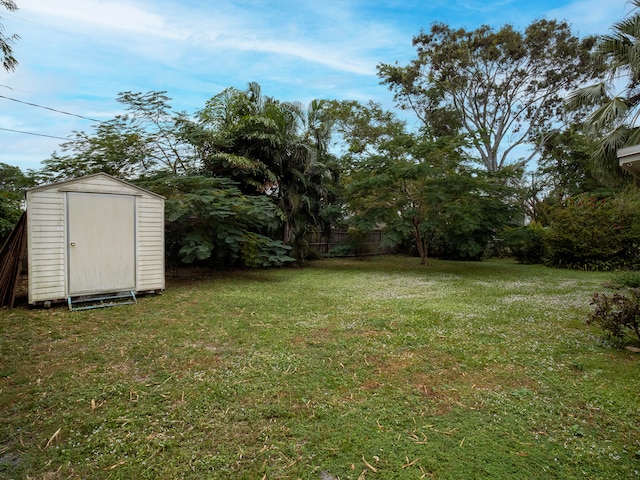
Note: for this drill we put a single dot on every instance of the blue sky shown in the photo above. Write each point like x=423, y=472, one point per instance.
x=76, y=56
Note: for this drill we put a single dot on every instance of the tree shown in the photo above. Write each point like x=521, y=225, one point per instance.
x=109, y=149
x=273, y=148
x=269, y=151
x=565, y=169
x=445, y=208
x=504, y=85
x=614, y=116
x=419, y=187
x=160, y=131
x=148, y=139
x=9, y=62
x=230, y=137
x=305, y=177
x=362, y=128
x=12, y=185
x=565, y=163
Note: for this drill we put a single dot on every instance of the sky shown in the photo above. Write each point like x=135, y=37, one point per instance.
x=76, y=56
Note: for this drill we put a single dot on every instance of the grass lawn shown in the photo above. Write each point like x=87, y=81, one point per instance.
x=364, y=369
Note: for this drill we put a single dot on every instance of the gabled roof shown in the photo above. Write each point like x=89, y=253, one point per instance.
x=66, y=185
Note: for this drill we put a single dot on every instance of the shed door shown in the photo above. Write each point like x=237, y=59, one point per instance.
x=101, y=243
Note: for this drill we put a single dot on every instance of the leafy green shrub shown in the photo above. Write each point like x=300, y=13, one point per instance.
x=210, y=221
x=262, y=251
x=9, y=214
x=617, y=314
x=526, y=244
x=12, y=185
x=341, y=250
x=627, y=278
x=594, y=233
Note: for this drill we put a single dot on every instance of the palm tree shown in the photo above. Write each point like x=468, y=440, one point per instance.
x=270, y=147
x=299, y=159
x=614, y=116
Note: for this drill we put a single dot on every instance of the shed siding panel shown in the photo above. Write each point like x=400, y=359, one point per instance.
x=46, y=244
x=99, y=184
x=150, y=243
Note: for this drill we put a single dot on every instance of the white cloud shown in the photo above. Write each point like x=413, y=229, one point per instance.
x=90, y=14
x=591, y=17
x=167, y=34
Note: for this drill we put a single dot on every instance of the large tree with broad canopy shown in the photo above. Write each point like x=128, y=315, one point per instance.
x=505, y=85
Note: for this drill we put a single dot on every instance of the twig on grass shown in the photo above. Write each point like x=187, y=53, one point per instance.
x=115, y=465
x=53, y=437
x=410, y=464
x=369, y=466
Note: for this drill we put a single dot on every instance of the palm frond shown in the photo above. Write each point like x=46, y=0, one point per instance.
x=605, y=160
x=616, y=48
x=622, y=46
x=589, y=96
x=629, y=27
x=610, y=114
x=633, y=137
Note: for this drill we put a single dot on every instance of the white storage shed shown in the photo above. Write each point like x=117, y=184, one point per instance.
x=91, y=237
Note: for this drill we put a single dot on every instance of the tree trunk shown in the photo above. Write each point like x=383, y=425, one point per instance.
x=420, y=244
x=287, y=235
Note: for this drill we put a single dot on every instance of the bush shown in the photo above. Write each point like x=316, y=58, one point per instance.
x=526, y=244
x=594, y=233
x=617, y=314
x=209, y=220
x=341, y=250
x=629, y=279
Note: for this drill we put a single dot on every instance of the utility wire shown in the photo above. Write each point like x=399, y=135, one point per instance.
x=51, y=109
x=32, y=133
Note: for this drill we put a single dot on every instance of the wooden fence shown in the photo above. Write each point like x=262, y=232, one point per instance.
x=343, y=243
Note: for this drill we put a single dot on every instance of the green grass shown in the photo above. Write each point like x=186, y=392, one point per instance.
x=458, y=370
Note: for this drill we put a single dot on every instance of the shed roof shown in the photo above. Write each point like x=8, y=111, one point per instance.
x=66, y=183
x=629, y=159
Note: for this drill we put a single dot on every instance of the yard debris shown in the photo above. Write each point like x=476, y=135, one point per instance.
x=450, y=432
x=419, y=441
x=410, y=464
x=11, y=256
x=115, y=465
x=369, y=466
x=425, y=474
x=53, y=437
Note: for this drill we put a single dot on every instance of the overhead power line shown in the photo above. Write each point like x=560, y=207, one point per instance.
x=51, y=109
x=32, y=133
